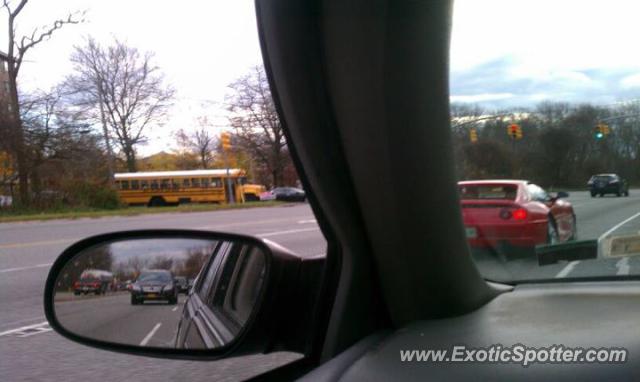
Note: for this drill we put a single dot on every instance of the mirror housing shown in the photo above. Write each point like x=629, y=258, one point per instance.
x=561, y=195
x=570, y=251
x=282, y=318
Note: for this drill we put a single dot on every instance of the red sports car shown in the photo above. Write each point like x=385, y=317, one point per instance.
x=514, y=213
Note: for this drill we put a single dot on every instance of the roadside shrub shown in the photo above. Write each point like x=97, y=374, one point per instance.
x=92, y=195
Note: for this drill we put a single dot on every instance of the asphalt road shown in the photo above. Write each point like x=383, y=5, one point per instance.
x=112, y=318
x=30, y=351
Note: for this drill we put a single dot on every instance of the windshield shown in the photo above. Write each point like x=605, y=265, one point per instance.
x=155, y=277
x=554, y=113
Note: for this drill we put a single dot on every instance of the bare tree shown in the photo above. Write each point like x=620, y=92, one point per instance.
x=199, y=142
x=258, y=130
x=121, y=85
x=17, y=49
x=56, y=140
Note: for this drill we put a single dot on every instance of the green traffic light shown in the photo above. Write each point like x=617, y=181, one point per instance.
x=599, y=135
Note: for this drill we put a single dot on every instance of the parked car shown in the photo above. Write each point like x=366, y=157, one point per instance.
x=603, y=184
x=289, y=194
x=93, y=281
x=513, y=213
x=156, y=284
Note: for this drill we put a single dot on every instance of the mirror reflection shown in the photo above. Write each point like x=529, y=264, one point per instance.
x=162, y=292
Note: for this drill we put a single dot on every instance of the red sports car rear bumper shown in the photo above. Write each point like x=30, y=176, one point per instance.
x=517, y=234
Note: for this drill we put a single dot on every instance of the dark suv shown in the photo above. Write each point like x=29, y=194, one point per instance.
x=602, y=184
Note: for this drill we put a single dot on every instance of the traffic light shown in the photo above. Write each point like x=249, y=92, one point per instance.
x=598, y=133
x=473, y=135
x=514, y=131
x=601, y=131
x=225, y=140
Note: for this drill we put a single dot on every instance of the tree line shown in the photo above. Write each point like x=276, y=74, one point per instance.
x=559, y=147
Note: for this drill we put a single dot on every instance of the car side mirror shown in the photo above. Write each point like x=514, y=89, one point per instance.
x=249, y=296
x=561, y=195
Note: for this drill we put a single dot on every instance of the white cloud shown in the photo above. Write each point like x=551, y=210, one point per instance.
x=632, y=81
x=480, y=97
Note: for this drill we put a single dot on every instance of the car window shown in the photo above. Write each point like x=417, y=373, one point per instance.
x=537, y=193
x=490, y=191
x=536, y=106
x=208, y=275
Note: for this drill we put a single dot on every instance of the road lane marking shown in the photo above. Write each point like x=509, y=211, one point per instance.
x=34, y=331
x=623, y=267
x=278, y=233
x=310, y=221
x=247, y=223
x=174, y=309
x=151, y=333
x=23, y=320
x=24, y=329
x=567, y=269
x=25, y=268
x=35, y=243
x=615, y=227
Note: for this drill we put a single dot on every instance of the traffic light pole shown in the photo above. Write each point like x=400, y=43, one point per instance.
x=230, y=193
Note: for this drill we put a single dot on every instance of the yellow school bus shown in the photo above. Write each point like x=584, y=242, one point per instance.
x=158, y=188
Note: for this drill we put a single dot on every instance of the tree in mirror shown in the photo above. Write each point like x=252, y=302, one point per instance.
x=173, y=293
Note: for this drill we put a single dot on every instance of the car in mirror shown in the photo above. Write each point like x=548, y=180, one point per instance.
x=180, y=293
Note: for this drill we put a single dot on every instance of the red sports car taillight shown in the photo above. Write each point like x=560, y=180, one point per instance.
x=520, y=214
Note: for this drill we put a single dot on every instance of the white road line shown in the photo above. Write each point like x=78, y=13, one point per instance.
x=623, y=267
x=23, y=320
x=247, y=223
x=36, y=331
x=307, y=221
x=566, y=270
x=277, y=233
x=174, y=309
x=35, y=243
x=151, y=333
x=24, y=268
x=615, y=227
x=7, y=332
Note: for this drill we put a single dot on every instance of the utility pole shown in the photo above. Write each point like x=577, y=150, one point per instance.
x=225, y=139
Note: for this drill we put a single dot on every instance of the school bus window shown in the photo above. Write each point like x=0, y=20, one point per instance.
x=125, y=184
x=135, y=185
x=195, y=182
x=205, y=182
x=185, y=182
x=174, y=184
x=216, y=182
x=164, y=183
x=144, y=184
x=154, y=184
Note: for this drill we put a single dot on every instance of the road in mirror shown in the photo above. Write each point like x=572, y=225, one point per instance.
x=161, y=292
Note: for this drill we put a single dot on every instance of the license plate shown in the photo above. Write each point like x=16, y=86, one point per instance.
x=152, y=295
x=471, y=232
x=85, y=288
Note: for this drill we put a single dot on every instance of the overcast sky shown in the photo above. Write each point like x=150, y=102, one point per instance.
x=504, y=52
